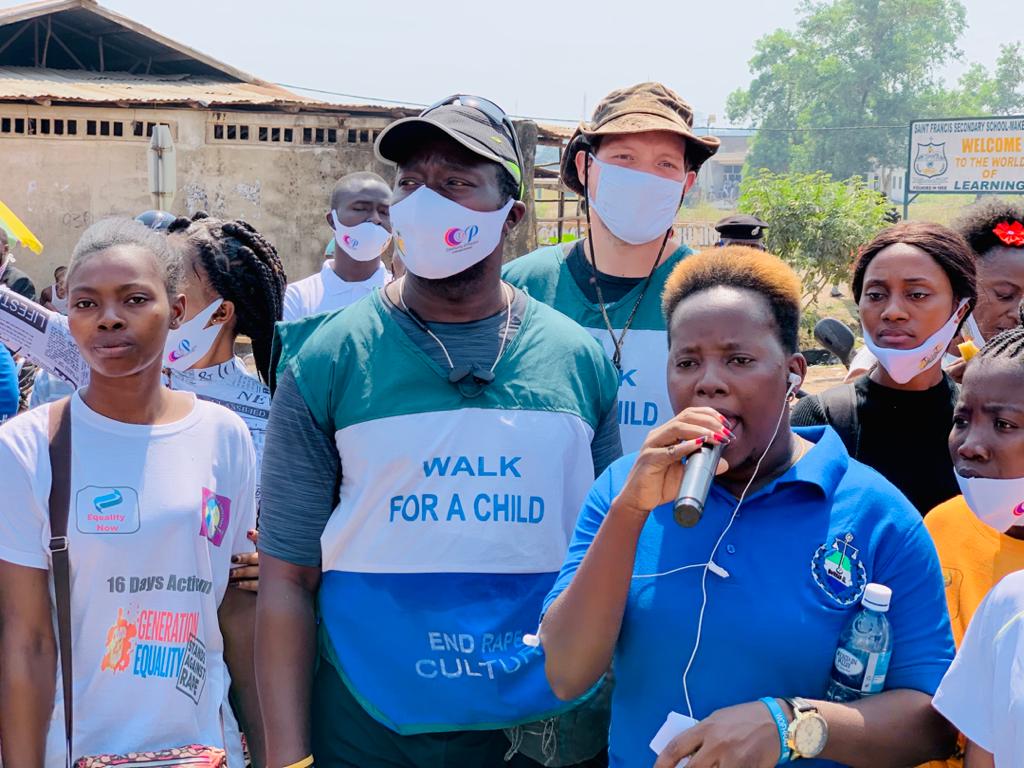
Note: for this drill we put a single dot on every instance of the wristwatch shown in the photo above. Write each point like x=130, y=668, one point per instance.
x=808, y=733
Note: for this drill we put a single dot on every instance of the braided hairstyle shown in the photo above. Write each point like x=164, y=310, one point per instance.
x=243, y=268
x=1008, y=345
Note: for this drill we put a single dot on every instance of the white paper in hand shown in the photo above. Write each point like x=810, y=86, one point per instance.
x=673, y=726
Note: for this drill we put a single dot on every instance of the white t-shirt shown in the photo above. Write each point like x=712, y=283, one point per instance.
x=155, y=514
x=231, y=385
x=326, y=292
x=983, y=691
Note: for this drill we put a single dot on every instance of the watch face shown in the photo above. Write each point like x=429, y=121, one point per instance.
x=810, y=735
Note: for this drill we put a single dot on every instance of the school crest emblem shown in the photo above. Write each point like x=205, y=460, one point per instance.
x=838, y=571
x=931, y=160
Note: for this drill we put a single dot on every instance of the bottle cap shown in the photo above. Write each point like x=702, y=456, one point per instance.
x=877, y=597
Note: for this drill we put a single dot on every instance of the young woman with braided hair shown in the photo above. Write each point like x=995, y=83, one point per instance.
x=980, y=534
x=233, y=284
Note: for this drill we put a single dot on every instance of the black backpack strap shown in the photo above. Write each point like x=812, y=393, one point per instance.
x=60, y=497
x=840, y=407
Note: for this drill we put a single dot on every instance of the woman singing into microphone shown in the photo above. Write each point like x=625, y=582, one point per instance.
x=727, y=620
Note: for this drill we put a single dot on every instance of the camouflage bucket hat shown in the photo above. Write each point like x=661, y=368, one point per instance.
x=639, y=109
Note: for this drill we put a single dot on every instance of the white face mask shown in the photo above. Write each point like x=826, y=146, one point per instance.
x=904, y=364
x=189, y=343
x=636, y=207
x=438, y=238
x=998, y=502
x=363, y=242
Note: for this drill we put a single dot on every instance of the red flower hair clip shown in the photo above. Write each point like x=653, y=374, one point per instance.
x=1010, y=233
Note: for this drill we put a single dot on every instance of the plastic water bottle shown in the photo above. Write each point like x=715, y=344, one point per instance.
x=865, y=647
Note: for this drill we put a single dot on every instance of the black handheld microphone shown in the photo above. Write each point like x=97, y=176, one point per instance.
x=693, y=491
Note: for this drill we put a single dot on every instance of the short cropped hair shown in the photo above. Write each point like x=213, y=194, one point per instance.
x=947, y=248
x=346, y=182
x=745, y=268
x=113, y=232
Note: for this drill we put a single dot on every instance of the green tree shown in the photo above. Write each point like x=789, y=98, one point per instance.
x=814, y=223
x=849, y=63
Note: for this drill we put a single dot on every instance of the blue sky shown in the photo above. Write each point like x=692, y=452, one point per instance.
x=541, y=58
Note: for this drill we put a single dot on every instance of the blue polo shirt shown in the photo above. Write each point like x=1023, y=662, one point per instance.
x=798, y=556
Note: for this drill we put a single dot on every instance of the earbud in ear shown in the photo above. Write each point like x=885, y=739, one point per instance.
x=794, y=381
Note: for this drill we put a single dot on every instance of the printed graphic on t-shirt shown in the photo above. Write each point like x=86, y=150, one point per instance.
x=216, y=516
x=107, y=509
x=156, y=644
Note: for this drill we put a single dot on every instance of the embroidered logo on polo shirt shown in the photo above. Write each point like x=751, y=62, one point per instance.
x=216, y=514
x=838, y=571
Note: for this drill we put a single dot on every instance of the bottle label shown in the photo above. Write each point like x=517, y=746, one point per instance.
x=848, y=664
x=874, y=675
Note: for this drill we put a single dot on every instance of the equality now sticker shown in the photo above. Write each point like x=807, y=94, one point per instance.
x=105, y=509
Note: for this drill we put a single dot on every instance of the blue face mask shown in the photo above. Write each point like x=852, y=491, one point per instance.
x=637, y=207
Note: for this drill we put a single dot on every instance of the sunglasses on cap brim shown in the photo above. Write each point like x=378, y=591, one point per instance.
x=494, y=113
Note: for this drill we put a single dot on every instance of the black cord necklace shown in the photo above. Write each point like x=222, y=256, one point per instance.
x=617, y=341
x=469, y=380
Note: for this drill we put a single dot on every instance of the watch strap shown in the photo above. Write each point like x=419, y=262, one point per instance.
x=801, y=705
x=782, y=723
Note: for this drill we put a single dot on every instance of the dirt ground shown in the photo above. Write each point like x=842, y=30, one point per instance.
x=821, y=377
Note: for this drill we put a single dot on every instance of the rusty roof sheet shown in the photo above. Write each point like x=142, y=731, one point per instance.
x=32, y=84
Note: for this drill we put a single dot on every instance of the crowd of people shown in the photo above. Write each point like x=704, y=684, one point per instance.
x=431, y=523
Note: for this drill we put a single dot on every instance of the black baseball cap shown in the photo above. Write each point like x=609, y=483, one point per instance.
x=481, y=126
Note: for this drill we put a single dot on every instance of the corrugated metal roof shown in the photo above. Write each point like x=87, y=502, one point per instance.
x=31, y=84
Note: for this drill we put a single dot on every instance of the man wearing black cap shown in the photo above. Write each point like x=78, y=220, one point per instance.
x=427, y=454
x=741, y=229
x=632, y=164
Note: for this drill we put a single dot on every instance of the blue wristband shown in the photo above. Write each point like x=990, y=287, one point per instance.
x=782, y=723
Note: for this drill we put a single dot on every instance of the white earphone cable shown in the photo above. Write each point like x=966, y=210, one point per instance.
x=714, y=550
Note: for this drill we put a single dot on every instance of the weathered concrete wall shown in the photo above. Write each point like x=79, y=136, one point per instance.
x=60, y=184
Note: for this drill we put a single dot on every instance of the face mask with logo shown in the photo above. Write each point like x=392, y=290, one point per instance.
x=997, y=502
x=904, y=364
x=438, y=238
x=363, y=242
x=189, y=343
x=636, y=207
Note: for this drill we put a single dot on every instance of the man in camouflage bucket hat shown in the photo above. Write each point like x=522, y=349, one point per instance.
x=632, y=164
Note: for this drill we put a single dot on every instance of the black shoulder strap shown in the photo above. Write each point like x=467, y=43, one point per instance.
x=840, y=406
x=60, y=497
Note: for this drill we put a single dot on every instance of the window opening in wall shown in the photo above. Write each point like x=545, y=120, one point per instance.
x=243, y=132
x=288, y=135
x=332, y=136
x=351, y=136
